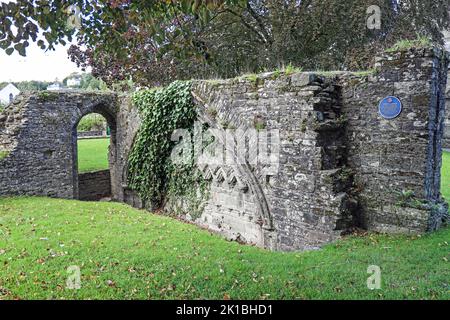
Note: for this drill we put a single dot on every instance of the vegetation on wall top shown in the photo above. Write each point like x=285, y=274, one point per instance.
x=3, y=154
x=420, y=42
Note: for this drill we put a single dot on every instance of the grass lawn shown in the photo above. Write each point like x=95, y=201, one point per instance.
x=124, y=253
x=93, y=154
x=445, y=175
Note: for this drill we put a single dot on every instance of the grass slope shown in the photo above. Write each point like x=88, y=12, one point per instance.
x=124, y=253
x=93, y=154
x=445, y=175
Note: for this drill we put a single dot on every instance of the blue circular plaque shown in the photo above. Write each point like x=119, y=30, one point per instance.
x=390, y=107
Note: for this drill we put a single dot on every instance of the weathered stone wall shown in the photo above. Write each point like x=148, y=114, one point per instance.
x=84, y=134
x=38, y=141
x=129, y=122
x=341, y=165
x=402, y=155
x=94, y=185
x=305, y=202
x=446, y=139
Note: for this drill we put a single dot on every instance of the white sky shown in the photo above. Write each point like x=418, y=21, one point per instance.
x=37, y=65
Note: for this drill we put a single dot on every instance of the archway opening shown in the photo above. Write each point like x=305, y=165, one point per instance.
x=94, y=157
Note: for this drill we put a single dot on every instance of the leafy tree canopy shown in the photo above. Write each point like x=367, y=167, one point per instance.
x=113, y=23
x=155, y=42
x=25, y=86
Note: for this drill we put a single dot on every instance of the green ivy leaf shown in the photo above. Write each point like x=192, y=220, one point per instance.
x=151, y=172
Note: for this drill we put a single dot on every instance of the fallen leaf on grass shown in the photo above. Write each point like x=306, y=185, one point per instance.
x=111, y=283
x=4, y=292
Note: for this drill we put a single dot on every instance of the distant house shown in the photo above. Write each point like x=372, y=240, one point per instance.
x=74, y=82
x=8, y=93
x=55, y=86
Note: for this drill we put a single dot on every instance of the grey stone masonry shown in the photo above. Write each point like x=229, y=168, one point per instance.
x=446, y=139
x=94, y=185
x=340, y=165
x=91, y=134
x=395, y=159
x=306, y=201
x=38, y=140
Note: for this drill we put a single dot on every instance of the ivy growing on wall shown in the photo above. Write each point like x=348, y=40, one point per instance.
x=150, y=170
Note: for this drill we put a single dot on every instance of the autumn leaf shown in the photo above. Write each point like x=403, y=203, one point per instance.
x=111, y=283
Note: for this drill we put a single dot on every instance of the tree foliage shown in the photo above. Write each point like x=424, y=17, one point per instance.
x=86, y=82
x=92, y=122
x=27, y=86
x=156, y=42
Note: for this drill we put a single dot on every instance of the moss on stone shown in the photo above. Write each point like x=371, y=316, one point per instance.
x=47, y=96
x=365, y=73
x=304, y=125
x=403, y=45
x=225, y=124
x=258, y=79
x=276, y=74
x=253, y=78
x=345, y=174
x=332, y=74
x=354, y=82
x=212, y=112
x=407, y=198
x=290, y=69
x=4, y=154
x=260, y=126
x=329, y=74
x=215, y=82
x=342, y=119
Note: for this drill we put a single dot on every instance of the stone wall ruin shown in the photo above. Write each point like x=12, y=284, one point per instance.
x=94, y=186
x=341, y=165
x=39, y=141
